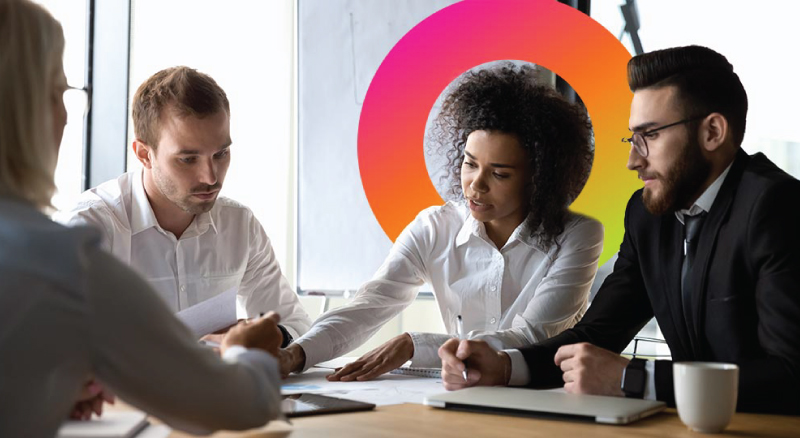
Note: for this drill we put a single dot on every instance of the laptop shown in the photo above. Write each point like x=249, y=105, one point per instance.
x=549, y=403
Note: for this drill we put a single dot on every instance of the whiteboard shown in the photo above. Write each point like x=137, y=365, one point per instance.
x=341, y=44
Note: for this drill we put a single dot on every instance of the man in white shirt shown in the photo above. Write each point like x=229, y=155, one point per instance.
x=167, y=221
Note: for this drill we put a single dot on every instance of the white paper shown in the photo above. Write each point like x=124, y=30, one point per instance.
x=211, y=315
x=339, y=362
x=388, y=389
x=112, y=424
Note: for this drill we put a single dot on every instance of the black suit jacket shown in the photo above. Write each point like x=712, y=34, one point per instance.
x=747, y=284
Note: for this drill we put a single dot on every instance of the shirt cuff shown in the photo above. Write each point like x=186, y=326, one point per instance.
x=317, y=348
x=238, y=353
x=233, y=352
x=520, y=374
x=292, y=331
x=650, y=384
x=426, y=349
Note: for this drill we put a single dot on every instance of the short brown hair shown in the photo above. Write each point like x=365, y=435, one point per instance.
x=705, y=81
x=181, y=89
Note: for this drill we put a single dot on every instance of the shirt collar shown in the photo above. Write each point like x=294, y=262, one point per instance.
x=143, y=217
x=473, y=227
x=204, y=221
x=706, y=200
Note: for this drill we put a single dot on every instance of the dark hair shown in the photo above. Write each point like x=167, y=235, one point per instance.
x=556, y=135
x=705, y=81
x=181, y=89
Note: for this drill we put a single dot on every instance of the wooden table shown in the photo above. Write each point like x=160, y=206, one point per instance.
x=411, y=420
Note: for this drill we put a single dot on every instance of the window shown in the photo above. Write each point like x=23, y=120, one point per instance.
x=69, y=172
x=247, y=47
x=759, y=40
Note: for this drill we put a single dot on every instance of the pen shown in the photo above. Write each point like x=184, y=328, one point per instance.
x=460, y=332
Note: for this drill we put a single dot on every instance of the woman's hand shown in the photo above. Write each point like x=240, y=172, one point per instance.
x=91, y=401
x=383, y=359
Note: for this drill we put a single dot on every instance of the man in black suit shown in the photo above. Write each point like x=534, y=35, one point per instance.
x=711, y=249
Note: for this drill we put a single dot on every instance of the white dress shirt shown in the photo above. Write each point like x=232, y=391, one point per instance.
x=510, y=297
x=69, y=310
x=520, y=373
x=223, y=248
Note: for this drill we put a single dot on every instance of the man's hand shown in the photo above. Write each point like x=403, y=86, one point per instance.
x=261, y=333
x=91, y=401
x=591, y=370
x=484, y=365
x=292, y=359
x=383, y=359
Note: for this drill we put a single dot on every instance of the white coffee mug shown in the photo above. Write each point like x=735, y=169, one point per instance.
x=705, y=393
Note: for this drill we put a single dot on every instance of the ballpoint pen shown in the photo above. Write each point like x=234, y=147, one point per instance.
x=460, y=333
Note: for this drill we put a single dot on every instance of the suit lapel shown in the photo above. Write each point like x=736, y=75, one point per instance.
x=669, y=253
x=708, y=240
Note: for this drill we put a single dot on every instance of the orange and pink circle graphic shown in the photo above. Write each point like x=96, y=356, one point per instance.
x=430, y=56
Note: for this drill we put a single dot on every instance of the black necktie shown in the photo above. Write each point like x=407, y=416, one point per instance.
x=692, y=225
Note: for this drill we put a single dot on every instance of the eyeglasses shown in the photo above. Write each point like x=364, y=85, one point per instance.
x=639, y=139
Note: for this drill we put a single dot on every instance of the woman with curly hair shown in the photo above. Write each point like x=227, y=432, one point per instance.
x=506, y=255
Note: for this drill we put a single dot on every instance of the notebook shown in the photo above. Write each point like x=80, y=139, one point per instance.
x=434, y=373
x=113, y=424
x=560, y=405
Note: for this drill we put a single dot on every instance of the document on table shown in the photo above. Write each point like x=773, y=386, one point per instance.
x=211, y=315
x=388, y=389
x=339, y=362
x=113, y=424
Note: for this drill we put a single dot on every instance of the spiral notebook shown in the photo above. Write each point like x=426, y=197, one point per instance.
x=433, y=373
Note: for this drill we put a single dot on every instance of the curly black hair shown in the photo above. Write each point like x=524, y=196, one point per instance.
x=556, y=135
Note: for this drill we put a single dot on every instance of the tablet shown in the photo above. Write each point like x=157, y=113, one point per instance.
x=300, y=405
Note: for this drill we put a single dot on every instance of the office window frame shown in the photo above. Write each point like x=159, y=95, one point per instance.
x=107, y=77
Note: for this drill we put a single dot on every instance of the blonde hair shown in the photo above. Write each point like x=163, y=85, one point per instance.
x=31, y=51
x=183, y=91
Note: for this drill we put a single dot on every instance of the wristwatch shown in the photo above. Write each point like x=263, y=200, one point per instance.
x=287, y=337
x=634, y=378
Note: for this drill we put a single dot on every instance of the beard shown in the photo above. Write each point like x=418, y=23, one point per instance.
x=186, y=202
x=681, y=182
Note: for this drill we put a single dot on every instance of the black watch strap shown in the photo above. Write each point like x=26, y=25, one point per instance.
x=287, y=337
x=634, y=378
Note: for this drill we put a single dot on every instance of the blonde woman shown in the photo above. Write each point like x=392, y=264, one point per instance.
x=68, y=310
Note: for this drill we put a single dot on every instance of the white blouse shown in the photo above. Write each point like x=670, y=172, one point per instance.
x=69, y=310
x=510, y=297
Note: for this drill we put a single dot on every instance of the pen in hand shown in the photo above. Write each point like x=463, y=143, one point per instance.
x=460, y=333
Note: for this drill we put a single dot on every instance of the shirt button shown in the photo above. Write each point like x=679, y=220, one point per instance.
x=183, y=288
x=494, y=288
x=493, y=320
